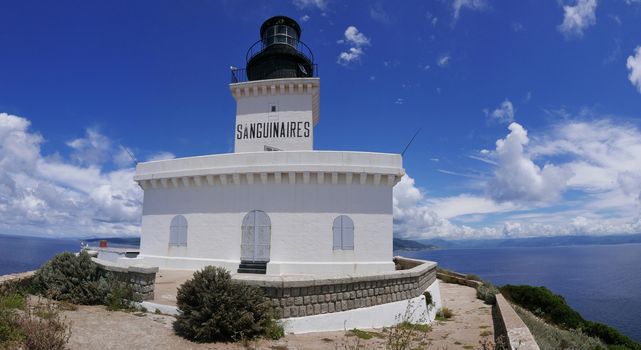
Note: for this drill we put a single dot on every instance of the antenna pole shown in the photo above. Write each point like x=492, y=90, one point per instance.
x=409, y=143
x=130, y=154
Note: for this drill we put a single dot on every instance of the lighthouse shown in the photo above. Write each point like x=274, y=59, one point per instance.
x=312, y=228
x=275, y=205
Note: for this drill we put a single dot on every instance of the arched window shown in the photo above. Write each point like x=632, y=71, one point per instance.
x=178, y=231
x=343, y=229
x=256, y=237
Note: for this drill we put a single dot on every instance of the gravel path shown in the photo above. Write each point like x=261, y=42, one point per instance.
x=95, y=328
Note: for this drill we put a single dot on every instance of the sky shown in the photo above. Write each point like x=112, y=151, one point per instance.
x=529, y=111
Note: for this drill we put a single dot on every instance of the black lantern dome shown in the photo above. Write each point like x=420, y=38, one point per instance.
x=279, y=53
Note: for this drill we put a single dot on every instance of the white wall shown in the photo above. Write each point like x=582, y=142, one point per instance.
x=290, y=108
x=301, y=217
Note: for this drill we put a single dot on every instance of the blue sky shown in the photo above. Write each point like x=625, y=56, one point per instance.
x=529, y=110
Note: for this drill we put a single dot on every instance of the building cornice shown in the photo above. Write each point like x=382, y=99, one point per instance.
x=289, y=167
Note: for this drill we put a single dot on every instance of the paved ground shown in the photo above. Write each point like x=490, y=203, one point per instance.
x=95, y=328
x=167, y=283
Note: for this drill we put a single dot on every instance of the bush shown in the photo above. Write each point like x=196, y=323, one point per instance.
x=45, y=329
x=70, y=277
x=215, y=308
x=33, y=327
x=487, y=292
x=78, y=280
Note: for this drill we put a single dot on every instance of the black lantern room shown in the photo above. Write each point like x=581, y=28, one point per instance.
x=279, y=53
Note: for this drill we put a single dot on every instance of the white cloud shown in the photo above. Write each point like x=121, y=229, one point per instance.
x=458, y=5
x=599, y=160
x=577, y=18
x=634, y=66
x=352, y=55
x=305, y=18
x=161, y=156
x=355, y=37
x=50, y=195
x=604, y=156
x=302, y=4
x=357, y=40
x=518, y=178
x=94, y=148
x=443, y=60
x=504, y=113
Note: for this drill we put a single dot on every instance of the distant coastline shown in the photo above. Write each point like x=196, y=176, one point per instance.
x=411, y=246
x=554, y=241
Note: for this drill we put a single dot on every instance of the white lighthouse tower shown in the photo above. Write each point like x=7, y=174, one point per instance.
x=275, y=206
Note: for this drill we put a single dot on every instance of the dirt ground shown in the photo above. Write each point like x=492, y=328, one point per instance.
x=95, y=328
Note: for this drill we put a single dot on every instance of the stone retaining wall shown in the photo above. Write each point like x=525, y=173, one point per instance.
x=141, y=279
x=518, y=335
x=16, y=278
x=307, y=296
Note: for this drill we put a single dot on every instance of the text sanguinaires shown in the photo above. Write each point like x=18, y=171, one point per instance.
x=272, y=130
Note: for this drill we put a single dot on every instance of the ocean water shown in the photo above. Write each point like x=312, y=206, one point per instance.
x=602, y=282
x=19, y=254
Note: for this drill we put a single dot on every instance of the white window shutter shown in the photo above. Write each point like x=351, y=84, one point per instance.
x=336, y=229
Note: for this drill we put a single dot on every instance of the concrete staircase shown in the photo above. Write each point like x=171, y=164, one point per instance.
x=257, y=267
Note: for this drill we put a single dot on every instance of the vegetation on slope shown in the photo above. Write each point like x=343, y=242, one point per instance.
x=553, y=309
x=550, y=337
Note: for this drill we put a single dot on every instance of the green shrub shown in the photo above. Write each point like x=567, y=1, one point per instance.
x=487, y=292
x=78, y=280
x=215, y=308
x=69, y=277
x=553, y=308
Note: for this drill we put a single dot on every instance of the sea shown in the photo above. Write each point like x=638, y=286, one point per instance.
x=602, y=282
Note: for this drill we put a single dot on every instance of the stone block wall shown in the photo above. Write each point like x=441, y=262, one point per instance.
x=140, y=279
x=305, y=296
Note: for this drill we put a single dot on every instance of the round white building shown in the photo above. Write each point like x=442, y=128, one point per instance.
x=275, y=205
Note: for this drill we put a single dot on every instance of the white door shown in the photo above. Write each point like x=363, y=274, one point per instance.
x=256, y=237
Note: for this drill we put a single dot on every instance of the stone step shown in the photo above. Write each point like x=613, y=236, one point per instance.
x=251, y=270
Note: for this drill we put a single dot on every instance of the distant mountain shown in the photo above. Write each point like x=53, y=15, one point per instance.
x=406, y=244
x=534, y=241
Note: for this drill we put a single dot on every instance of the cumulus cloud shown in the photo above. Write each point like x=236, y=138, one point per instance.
x=357, y=40
x=599, y=160
x=634, y=68
x=604, y=157
x=518, y=178
x=50, y=195
x=458, y=5
x=504, y=113
x=577, y=18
